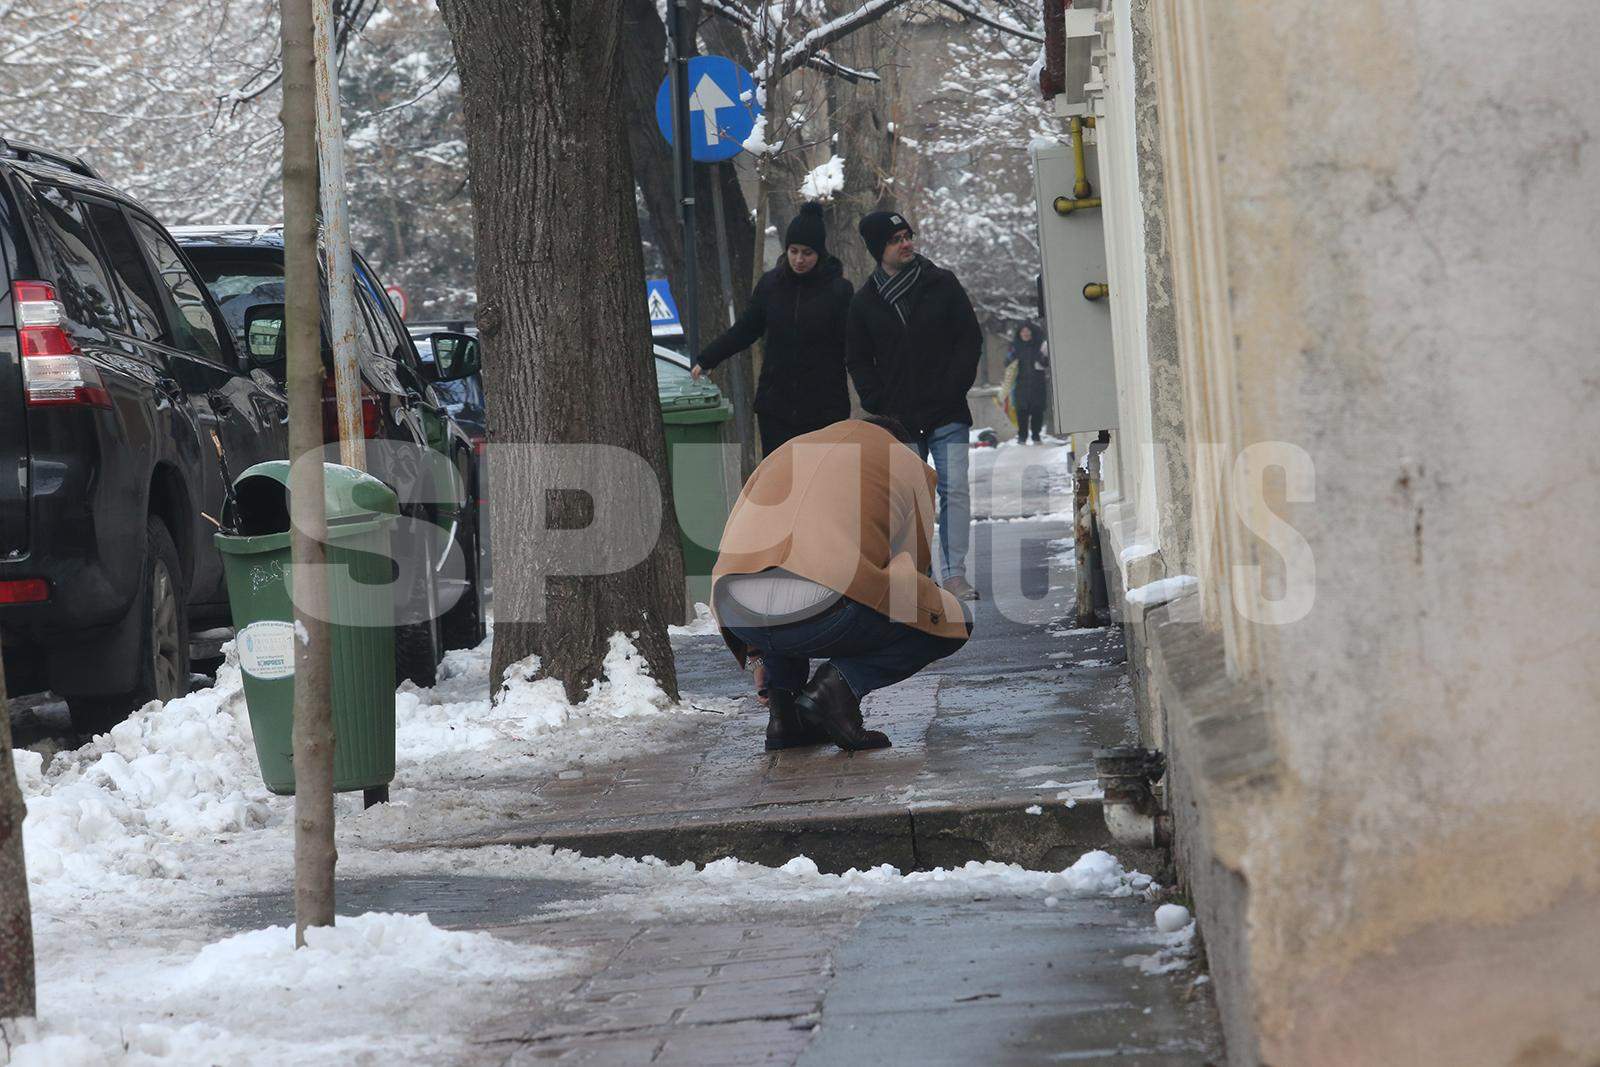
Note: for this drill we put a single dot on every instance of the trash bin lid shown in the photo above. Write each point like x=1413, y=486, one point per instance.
x=691, y=414
x=349, y=495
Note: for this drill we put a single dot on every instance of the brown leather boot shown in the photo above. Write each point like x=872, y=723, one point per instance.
x=828, y=704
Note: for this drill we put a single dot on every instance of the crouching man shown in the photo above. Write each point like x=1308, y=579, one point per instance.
x=826, y=556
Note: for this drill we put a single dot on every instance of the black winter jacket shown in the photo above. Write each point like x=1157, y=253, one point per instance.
x=1032, y=389
x=917, y=371
x=802, y=317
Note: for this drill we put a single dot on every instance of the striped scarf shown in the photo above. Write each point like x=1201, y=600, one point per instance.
x=894, y=288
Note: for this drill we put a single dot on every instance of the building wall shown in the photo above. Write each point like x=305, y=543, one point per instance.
x=1385, y=249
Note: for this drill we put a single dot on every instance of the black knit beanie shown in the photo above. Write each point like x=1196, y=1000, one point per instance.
x=807, y=229
x=878, y=227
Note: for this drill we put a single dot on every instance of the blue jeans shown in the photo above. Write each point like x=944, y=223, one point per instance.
x=950, y=449
x=869, y=649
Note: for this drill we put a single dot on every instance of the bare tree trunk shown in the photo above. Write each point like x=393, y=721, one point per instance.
x=644, y=45
x=16, y=919
x=561, y=306
x=314, y=854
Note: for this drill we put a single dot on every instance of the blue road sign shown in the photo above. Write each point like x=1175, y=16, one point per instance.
x=723, y=94
x=663, y=311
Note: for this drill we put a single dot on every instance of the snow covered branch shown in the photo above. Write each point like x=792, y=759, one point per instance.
x=745, y=19
x=970, y=11
x=800, y=53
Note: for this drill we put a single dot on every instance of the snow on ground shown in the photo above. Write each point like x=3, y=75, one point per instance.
x=704, y=625
x=136, y=841
x=376, y=988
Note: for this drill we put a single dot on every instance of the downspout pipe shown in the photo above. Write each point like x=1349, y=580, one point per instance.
x=1133, y=815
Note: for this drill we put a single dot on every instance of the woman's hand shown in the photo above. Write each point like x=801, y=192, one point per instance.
x=696, y=371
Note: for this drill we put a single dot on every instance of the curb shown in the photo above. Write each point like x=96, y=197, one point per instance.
x=909, y=837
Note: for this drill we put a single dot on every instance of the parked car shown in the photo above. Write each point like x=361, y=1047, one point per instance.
x=243, y=268
x=463, y=398
x=124, y=406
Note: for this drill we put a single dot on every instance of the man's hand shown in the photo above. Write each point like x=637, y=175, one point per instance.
x=696, y=371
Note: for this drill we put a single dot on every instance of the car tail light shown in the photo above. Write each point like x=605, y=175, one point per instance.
x=54, y=372
x=24, y=591
x=371, y=410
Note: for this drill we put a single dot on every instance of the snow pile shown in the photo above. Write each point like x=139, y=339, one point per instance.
x=402, y=949
x=1170, y=918
x=374, y=988
x=625, y=690
x=704, y=625
x=825, y=181
x=649, y=888
x=1162, y=590
x=1175, y=953
x=112, y=809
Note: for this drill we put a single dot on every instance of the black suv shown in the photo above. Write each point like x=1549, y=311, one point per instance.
x=123, y=406
x=414, y=444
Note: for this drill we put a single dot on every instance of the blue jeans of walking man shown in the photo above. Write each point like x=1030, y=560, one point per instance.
x=950, y=447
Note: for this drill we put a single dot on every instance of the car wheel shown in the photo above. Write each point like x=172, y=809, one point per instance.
x=463, y=624
x=162, y=618
x=419, y=646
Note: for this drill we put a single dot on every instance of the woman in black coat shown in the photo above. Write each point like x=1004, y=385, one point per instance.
x=1030, y=394
x=799, y=309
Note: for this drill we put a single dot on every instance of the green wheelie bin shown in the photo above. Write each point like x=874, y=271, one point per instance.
x=361, y=513
x=705, y=476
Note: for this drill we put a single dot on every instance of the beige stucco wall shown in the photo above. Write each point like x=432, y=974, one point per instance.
x=1411, y=218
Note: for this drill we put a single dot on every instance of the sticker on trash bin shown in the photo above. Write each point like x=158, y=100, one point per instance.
x=266, y=650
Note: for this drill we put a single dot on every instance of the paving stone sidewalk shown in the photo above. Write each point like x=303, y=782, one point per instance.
x=1002, y=730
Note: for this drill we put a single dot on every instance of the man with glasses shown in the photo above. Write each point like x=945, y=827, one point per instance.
x=912, y=345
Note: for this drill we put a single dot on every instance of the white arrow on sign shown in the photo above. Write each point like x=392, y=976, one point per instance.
x=708, y=99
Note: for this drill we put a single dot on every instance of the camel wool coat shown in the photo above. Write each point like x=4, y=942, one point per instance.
x=851, y=508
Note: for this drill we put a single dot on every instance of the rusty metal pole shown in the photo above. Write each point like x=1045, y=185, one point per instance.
x=336, y=242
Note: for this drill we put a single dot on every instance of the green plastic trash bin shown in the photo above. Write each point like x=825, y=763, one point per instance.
x=361, y=512
x=692, y=413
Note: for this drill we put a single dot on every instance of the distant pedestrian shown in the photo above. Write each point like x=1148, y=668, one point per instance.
x=913, y=349
x=826, y=556
x=1030, y=394
x=799, y=307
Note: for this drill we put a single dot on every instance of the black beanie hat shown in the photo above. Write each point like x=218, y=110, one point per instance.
x=807, y=229
x=878, y=227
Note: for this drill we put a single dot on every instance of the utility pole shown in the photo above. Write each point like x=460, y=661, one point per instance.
x=336, y=236
x=681, y=35
x=314, y=854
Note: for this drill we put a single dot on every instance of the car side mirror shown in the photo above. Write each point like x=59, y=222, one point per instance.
x=263, y=334
x=455, y=356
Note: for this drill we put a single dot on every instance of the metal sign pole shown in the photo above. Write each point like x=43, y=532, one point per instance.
x=336, y=240
x=723, y=263
x=682, y=35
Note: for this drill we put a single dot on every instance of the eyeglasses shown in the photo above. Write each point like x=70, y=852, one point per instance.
x=904, y=237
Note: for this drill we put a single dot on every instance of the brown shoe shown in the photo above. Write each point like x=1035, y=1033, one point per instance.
x=960, y=588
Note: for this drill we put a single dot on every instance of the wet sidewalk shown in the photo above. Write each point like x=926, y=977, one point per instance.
x=992, y=760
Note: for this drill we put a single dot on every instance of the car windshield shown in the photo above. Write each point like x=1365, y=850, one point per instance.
x=240, y=284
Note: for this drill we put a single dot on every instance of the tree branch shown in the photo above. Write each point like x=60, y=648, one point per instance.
x=801, y=52
x=746, y=20
x=975, y=15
